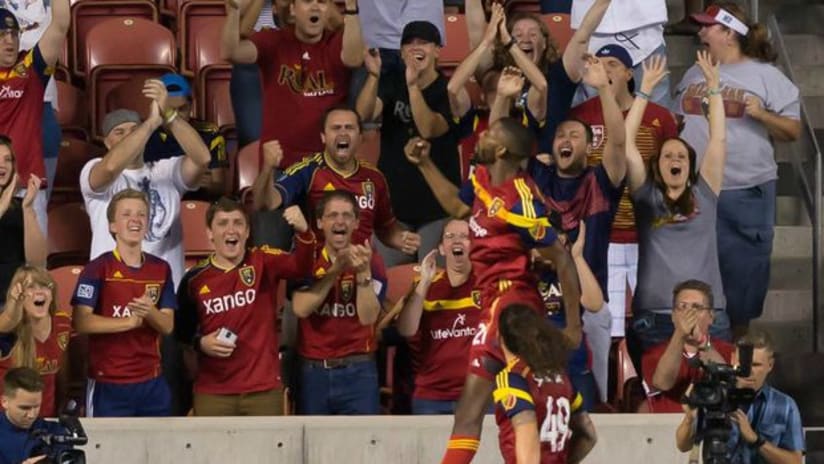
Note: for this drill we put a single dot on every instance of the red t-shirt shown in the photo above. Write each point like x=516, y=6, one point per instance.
x=553, y=400
x=449, y=322
x=49, y=358
x=240, y=299
x=107, y=285
x=670, y=400
x=305, y=183
x=300, y=81
x=334, y=330
x=657, y=125
x=21, y=111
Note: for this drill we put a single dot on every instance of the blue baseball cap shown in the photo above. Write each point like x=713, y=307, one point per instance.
x=8, y=20
x=621, y=54
x=176, y=85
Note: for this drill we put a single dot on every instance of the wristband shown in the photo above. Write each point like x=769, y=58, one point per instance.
x=509, y=44
x=758, y=443
x=351, y=12
x=643, y=95
x=712, y=92
x=168, y=118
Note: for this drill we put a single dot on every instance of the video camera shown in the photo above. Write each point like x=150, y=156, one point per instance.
x=59, y=447
x=715, y=397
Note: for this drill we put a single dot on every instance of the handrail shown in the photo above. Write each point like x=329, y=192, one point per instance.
x=811, y=196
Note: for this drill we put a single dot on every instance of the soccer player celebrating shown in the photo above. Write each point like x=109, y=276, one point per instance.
x=443, y=309
x=125, y=301
x=225, y=312
x=338, y=311
x=508, y=218
x=544, y=420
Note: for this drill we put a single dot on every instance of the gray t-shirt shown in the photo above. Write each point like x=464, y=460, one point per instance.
x=382, y=21
x=750, y=157
x=672, y=249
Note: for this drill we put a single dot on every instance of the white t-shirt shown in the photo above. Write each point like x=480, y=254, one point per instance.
x=382, y=21
x=636, y=25
x=163, y=183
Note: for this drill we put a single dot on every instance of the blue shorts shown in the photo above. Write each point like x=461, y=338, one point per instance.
x=143, y=399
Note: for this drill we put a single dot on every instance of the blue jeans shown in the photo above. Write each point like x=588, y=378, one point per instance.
x=585, y=385
x=746, y=220
x=423, y=406
x=350, y=390
x=247, y=102
x=51, y=143
x=144, y=399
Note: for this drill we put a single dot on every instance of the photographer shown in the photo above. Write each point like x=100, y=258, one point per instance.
x=770, y=430
x=20, y=425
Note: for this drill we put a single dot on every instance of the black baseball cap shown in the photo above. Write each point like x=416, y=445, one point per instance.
x=621, y=54
x=8, y=20
x=423, y=30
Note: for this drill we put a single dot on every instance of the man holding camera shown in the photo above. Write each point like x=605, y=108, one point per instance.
x=666, y=366
x=20, y=424
x=770, y=430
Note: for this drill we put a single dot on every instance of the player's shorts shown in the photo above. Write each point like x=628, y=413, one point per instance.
x=486, y=358
x=151, y=398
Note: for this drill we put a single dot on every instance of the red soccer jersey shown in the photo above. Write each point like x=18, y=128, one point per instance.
x=448, y=324
x=240, y=299
x=21, y=111
x=300, y=81
x=107, y=285
x=49, y=358
x=507, y=221
x=670, y=400
x=552, y=399
x=657, y=125
x=306, y=181
x=334, y=331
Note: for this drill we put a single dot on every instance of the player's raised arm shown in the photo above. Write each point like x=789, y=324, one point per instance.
x=417, y=152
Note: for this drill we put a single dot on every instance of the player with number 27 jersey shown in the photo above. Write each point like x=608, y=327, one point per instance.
x=553, y=400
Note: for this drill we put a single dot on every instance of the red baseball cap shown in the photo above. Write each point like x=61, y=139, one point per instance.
x=714, y=14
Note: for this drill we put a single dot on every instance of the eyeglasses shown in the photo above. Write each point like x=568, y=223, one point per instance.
x=684, y=305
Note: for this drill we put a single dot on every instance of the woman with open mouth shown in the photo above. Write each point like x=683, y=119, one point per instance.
x=34, y=334
x=675, y=202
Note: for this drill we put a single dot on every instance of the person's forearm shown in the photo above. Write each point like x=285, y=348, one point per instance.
x=615, y=159
x=410, y=317
x=636, y=169
x=230, y=36
x=353, y=45
x=429, y=123
x=393, y=236
x=475, y=21
x=306, y=302
x=120, y=156
x=500, y=109
x=579, y=447
x=264, y=193
x=535, y=76
x=249, y=17
x=579, y=43
x=34, y=241
x=666, y=372
x=302, y=259
x=592, y=297
x=190, y=141
x=367, y=98
x=445, y=191
x=61, y=16
x=94, y=324
x=775, y=455
x=781, y=128
x=162, y=321
x=568, y=277
x=368, y=305
x=467, y=68
x=684, y=434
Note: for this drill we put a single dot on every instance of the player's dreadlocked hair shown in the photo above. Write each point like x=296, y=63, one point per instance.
x=531, y=337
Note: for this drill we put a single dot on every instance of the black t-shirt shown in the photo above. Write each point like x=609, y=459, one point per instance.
x=12, y=252
x=412, y=200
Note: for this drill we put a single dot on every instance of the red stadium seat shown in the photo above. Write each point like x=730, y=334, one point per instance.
x=370, y=149
x=86, y=14
x=559, y=29
x=113, y=61
x=457, y=41
x=193, y=218
x=399, y=281
x=66, y=279
x=214, y=103
x=523, y=6
x=69, y=235
x=248, y=165
x=74, y=154
x=199, y=37
x=72, y=110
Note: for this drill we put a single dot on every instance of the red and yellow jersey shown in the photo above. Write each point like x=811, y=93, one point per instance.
x=306, y=182
x=507, y=221
x=448, y=324
x=108, y=285
x=334, y=330
x=49, y=360
x=241, y=299
x=553, y=400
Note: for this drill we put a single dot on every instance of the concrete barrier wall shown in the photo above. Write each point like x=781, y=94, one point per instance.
x=622, y=439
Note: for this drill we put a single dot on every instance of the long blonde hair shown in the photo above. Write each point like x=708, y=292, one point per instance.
x=24, y=353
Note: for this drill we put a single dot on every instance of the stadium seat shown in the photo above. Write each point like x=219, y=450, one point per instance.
x=399, y=281
x=559, y=29
x=66, y=279
x=214, y=102
x=112, y=62
x=248, y=165
x=457, y=41
x=523, y=6
x=72, y=110
x=69, y=235
x=370, y=149
x=193, y=217
x=86, y=14
x=198, y=34
x=74, y=154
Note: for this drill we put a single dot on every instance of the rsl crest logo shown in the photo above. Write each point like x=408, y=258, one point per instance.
x=346, y=290
x=476, y=298
x=153, y=292
x=495, y=206
x=63, y=340
x=598, y=132
x=247, y=275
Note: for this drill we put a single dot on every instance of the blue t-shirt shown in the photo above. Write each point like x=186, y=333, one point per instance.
x=559, y=101
x=17, y=445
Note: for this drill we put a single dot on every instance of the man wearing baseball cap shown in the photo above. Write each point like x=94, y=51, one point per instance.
x=412, y=100
x=163, y=145
x=24, y=75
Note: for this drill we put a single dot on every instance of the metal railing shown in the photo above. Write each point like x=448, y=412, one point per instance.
x=810, y=194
